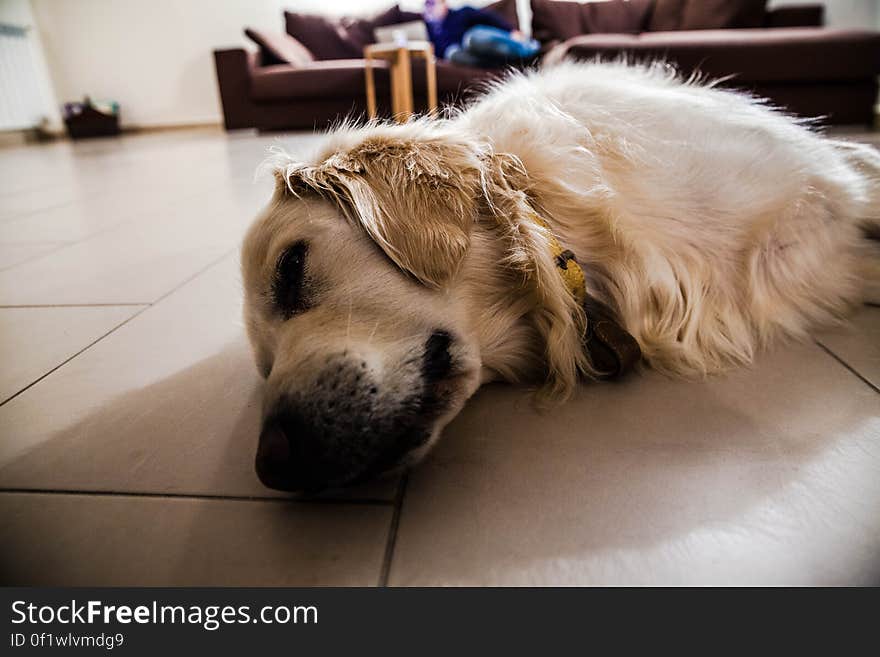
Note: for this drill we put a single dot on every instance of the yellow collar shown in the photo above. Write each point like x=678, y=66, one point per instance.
x=568, y=267
x=612, y=350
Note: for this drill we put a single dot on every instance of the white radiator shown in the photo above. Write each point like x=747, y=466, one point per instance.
x=21, y=102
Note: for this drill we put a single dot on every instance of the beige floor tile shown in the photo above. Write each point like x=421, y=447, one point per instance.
x=15, y=254
x=108, y=269
x=77, y=178
x=142, y=259
x=136, y=263
x=152, y=198
x=168, y=403
x=83, y=218
x=35, y=340
x=17, y=203
x=23, y=170
x=766, y=476
x=858, y=344
x=138, y=180
x=77, y=540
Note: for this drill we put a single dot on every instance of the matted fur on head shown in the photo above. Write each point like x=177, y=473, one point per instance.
x=418, y=190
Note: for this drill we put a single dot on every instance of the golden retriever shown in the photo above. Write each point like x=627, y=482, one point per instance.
x=407, y=264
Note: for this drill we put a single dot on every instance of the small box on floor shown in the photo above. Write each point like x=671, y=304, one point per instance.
x=91, y=118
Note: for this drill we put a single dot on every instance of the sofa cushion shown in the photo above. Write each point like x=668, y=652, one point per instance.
x=341, y=38
x=506, y=9
x=345, y=38
x=361, y=31
x=616, y=16
x=552, y=20
x=670, y=15
x=276, y=48
x=338, y=78
x=795, y=16
x=555, y=20
x=345, y=79
x=717, y=14
x=779, y=55
x=666, y=15
x=453, y=79
x=324, y=37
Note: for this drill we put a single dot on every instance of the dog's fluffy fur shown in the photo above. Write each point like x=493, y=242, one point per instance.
x=710, y=222
x=713, y=223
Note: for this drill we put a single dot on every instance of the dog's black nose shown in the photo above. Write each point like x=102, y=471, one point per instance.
x=274, y=456
x=437, y=362
x=342, y=427
x=294, y=454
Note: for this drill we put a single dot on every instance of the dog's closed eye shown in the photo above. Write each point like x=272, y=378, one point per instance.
x=288, y=285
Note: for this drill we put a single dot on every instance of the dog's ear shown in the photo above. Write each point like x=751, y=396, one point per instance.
x=416, y=198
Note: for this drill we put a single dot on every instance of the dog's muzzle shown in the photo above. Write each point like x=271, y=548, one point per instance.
x=344, y=430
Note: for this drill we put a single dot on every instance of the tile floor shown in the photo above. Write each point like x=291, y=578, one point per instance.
x=129, y=415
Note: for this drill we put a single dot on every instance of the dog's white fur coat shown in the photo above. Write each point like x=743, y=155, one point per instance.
x=709, y=221
x=715, y=223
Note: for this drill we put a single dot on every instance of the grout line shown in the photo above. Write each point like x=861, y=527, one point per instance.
x=67, y=360
x=392, y=531
x=55, y=206
x=847, y=366
x=58, y=246
x=104, y=192
x=77, y=305
x=367, y=501
x=121, y=324
x=35, y=242
x=131, y=219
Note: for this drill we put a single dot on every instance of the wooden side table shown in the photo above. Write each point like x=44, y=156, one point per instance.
x=401, y=78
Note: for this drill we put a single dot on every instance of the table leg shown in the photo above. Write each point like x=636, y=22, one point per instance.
x=395, y=87
x=371, y=87
x=404, y=83
x=431, y=80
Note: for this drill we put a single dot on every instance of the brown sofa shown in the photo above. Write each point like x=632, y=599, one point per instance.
x=783, y=54
x=259, y=92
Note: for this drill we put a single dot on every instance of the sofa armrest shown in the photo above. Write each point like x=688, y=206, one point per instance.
x=795, y=16
x=559, y=51
x=235, y=68
x=548, y=47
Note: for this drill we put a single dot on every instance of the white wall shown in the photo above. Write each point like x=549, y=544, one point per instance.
x=154, y=56
x=45, y=107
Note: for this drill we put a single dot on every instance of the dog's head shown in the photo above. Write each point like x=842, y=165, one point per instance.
x=349, y=309
x=373, y=303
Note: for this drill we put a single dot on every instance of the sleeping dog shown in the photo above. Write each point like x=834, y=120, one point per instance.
x=569, y=224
